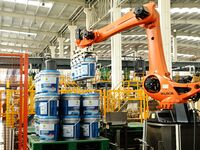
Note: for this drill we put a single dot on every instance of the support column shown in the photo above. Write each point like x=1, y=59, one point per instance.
x=52, y=48
x=72, y=30
x=165, y=24
x=61, y=46
x=174, y=47
x=88, y=14
x=116, y=49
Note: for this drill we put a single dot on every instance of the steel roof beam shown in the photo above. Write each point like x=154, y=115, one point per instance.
x=71, y=2
x=23, y=41
x=32, y=17
x=186, y=21
x=31, y=49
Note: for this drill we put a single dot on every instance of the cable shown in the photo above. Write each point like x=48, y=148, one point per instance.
x=194, y=135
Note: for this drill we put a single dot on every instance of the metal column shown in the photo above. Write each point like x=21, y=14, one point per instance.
x=174, y=47
x=165, y=24
x=88, y=14
x=61, y=46
x=116, y=48
x=72, y=30
x=52, y=48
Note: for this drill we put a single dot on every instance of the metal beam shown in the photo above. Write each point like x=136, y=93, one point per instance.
x=32, y=17
x=189, y=4
x=65, y=63
x=32, y=49
x=178, y=33
x=71, y=2
x=23, y=41
x=17, y=29
x=186, y=21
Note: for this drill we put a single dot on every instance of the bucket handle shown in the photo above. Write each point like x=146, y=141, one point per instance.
x=75, y=126
x=49, y=104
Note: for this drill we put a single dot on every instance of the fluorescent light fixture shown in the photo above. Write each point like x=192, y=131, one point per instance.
x=16, y=32
x=189, y=38
x=185, y=55
x=125, y=10
x=172, y=10
x=31, y=2
x=15, y=51
x=67, y=40
x=185, y=10
x=66, y=47
x=126, y=36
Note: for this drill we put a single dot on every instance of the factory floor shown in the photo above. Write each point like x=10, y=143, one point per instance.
x=1, y=134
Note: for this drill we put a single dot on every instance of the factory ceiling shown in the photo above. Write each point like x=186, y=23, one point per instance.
x=34, y=25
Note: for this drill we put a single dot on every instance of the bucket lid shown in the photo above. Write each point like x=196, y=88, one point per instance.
x=50, y=71
x=90, y=59
x=92, y=116
x=47, y=95
x=91, y=95
x=71, y=95
x=71, y=116
x=48, y=117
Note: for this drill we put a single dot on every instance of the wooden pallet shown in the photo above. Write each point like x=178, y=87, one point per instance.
x=100, y=143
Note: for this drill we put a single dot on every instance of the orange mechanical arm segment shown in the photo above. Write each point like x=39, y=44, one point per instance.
x=158, y=83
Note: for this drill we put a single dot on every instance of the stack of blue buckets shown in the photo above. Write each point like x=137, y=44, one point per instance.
x=80, y=115
x=90, y=115
x=46, y=105
x=70, y=116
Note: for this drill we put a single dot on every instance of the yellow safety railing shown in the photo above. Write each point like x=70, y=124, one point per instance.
x=115, y=100
x=11, y=106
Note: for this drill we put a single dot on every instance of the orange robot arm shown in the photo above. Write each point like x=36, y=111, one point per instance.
x=157, y=83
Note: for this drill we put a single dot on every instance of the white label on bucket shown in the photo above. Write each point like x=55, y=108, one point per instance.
x=91, y=103
x=68, y=130
x=43, y=108
x=46, y=127
x=84, y=69
x=72, y=103
x=48, y=79
x=86, y=129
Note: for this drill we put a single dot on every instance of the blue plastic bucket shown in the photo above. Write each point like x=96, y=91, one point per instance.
x=70, y=105
x=72, y=73
x=49, y=80
x=48, y=104
x=36, y=105
x=91, y=104
x=90, y=126
x=79, y=75
x=36, y=124
x=71, y=127
x=48, y=128
x=75, y=72
x=37, y=83
x=88, y=68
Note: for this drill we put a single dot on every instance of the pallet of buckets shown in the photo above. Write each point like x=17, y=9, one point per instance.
x=60, y=119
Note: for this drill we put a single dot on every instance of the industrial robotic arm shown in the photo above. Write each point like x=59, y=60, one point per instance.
x=157, y=83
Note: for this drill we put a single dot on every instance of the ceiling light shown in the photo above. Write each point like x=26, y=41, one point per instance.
x=31, y=2
x=125, y=10
x=16, y=32
x=172, y=10
x=67, y=40
x=126, y=36
x=185, y=55
x=185, y=10
x=189, y=38
x=66, y=47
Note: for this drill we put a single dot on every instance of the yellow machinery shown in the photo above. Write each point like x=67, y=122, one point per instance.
x=116, y=100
